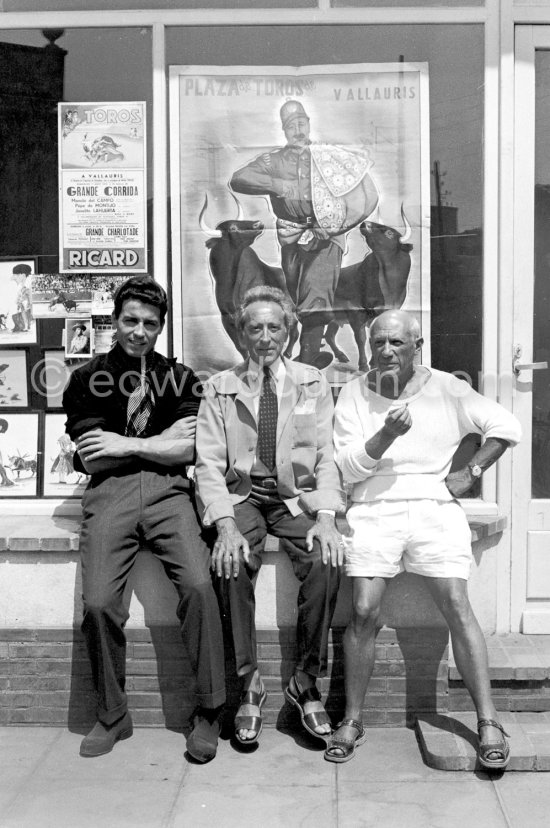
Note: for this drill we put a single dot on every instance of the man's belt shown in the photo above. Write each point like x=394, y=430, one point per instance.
x=264, y=482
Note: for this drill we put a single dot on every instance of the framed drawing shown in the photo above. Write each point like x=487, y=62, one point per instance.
x=313, y=179
x=60, y=478
x=52, y=375
x=18, y=454
x=17, y=325
x=13, y=379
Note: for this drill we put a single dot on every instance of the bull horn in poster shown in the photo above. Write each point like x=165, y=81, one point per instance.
x=405, y=236
x=202, y=223
x=240, y=213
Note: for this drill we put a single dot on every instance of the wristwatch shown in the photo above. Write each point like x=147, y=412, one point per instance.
x=475, y=470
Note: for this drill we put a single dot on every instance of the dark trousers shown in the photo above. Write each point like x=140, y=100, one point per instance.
x=318, y=585
x=120, y=512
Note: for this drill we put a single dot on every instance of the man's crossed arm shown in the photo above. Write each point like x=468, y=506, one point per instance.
x=101, y=451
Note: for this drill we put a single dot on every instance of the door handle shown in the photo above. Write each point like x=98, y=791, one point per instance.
x=525, y=366
x=530, y=366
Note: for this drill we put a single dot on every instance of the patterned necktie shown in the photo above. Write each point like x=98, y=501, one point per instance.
x=140, y=407
x=267, y=421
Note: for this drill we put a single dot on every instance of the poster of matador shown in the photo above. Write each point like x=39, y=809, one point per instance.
x=314, y=180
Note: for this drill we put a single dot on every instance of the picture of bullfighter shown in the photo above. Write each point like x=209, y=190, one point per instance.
x=22, y=315
x=318, y=192
x=80, y=341
x=63, y=463
x=4, y=479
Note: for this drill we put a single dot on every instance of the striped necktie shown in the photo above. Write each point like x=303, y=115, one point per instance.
x=267, y=421
x=140, y=407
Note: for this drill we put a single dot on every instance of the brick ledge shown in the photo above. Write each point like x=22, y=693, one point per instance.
x=42, y=533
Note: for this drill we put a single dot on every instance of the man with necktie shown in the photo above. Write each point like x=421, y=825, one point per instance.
x=265, y=464
x=132, y=415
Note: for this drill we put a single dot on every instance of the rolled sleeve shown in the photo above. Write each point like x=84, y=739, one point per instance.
x=78, y=403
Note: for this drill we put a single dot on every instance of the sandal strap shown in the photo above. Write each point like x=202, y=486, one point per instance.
x=247, y=722
x=253, y=697
x=339, y=743
x=352, y=723
x=303, y=696
x=491, y=723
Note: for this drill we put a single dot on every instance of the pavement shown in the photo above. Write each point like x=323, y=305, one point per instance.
x=149, y=781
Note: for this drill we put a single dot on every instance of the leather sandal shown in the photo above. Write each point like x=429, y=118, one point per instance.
x=344, y=746
x=486, y=748
x=299, y=698
x=254, y=723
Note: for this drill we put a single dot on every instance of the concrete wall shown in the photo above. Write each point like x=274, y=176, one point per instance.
x=43, y=589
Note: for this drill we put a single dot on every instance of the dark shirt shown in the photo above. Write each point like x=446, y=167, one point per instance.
x=97, y=396
x=270, y=174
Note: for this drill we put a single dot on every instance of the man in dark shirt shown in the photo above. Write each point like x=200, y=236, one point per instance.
x=131, y=413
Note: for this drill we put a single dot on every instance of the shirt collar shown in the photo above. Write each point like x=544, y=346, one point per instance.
x=121, y=359
x=277, y=369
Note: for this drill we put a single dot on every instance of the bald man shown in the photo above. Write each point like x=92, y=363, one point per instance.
x=396, y=431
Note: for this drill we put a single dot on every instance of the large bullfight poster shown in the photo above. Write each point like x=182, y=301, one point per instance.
x=311, y=179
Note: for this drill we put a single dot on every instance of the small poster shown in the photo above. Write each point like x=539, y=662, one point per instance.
x=17, y=325
x=13, y=379
x=102, y=187
x=18, y=454
x=60, y=477
x=103, y=334
x=78, y=338
x=103, y=294
x=54, y=294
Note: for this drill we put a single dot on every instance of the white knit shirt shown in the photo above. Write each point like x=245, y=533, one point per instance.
x=415, y=466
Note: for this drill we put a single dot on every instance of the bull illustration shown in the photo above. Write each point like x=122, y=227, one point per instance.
x=22, y=463
x=375, y=284
x=236, y=267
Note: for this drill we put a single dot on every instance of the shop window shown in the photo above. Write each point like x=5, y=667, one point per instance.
x=455, y=59
x=115, y=65
x=51, y=321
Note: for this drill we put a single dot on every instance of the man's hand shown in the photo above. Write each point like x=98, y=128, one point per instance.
x=398, y=421
x=459, y=482
x=98, y=444
x=330, y=539
x=183, y=428
x=226, y=555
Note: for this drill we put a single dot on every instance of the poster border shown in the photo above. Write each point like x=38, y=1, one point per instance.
x=178, y=71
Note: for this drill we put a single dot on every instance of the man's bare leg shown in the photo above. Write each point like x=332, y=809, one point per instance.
x=359, y=644
x=469, y=647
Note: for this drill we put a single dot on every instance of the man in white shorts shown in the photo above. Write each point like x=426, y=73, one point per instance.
x=396, y=431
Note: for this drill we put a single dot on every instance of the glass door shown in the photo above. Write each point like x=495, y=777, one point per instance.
x=531, y=350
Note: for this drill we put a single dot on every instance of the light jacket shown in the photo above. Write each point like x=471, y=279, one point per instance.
x=227, y=437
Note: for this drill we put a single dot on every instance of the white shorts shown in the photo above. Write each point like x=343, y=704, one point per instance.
x=428, y=537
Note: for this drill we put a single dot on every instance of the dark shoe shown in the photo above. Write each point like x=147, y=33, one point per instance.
x=102, y=738
x=250, y=722
x=202, y=742
x=493, y=755
x=345, y=748
x=299, y=698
